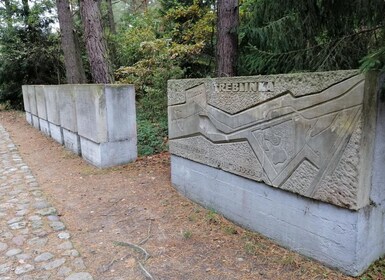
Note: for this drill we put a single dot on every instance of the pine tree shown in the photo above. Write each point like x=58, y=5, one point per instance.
x=286, y=36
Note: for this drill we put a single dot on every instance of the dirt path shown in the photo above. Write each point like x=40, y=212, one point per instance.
x=105, y=210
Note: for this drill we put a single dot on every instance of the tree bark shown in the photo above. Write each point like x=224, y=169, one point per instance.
x=110, y=16
x=70, y=44
x=8, y=13
x=227, y=37
x=96, y=45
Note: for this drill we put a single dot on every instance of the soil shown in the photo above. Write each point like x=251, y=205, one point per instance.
x=109, y=211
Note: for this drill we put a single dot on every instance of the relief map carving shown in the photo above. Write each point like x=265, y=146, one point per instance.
x=298, y=132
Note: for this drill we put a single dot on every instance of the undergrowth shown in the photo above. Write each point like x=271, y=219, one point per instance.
x=152, y=135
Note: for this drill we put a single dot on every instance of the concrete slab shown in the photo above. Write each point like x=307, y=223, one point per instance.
x=28, y=117
x=71, y=141
x=338, y=237
x=32, y=99
x=108, y=154
x=106, y=113
x=52, y=101
x=35, y=122
x=56, y=133
x=44, y=127
x=121, y=112
x=316, y=141
x=68, y=119
x=26, y=98
x=40, y=102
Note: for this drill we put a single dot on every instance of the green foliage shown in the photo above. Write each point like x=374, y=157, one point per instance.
x=288, y=36
x=29, y=52
x=150, y=52
x=152, y=135
x=374, y=61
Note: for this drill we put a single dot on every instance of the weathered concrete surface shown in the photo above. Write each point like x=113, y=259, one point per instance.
x=56, y=133
x=27, y=106
x=41, y=103
x=28, y=117
x=102, y=115
x=71, y=141
x=109, y=153
x=106, y=121
x=32, y=99
x=68, y=117
x=314, y=140
x=52, y=102
x=35, y=122
x=300, y=163
x=44, y=127
x=105, y=113
x=340, y=238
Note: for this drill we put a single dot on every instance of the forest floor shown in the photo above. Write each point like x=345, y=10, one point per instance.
x=107, y=211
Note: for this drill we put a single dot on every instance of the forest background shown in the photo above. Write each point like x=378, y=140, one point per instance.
x=151, y=41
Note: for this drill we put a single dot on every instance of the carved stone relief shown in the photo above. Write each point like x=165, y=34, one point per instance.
x=298, y=132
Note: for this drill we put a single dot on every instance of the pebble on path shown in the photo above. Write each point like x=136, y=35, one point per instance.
x=33, y=243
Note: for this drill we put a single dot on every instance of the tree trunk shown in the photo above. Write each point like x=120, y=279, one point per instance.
x=96, y=46
x=26, y=12
x=227, y=41
x=70, y=44
x=110, y=16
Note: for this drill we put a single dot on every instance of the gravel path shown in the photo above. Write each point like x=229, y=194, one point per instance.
x=34, y=243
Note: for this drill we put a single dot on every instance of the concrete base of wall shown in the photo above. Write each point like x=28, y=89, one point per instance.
x=108, y=154
x=71, y=141
x=56, y=133
x=44, y=127
x=35, y=122
x=347, y=240
x=28, y=117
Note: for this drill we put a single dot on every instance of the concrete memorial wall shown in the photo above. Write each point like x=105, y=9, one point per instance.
x=299, y=158
x=97, y=122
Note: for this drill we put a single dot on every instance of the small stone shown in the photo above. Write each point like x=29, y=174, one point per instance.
x=64, y=271
x=34, y=218
x=4, y=268
x=72, y=253
x=18, y=240
x=15, y=220
x=78, y=264
x=47, y=211
x=64, y=235
x=41, y=204
x=54, y=264
x=37, y=224
x=37, y=241
x=13, y=252
x=53, y=218
x=21, y=212
x=40, y=233
x=23, y=257
x=21, y=269
x=3, y=246
x=6, y=235
x=44, y=257
x=57, y=226
x=80, y=276
x=240, y=259
x=37, y=193
x=65, y=245
x=19, y=225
